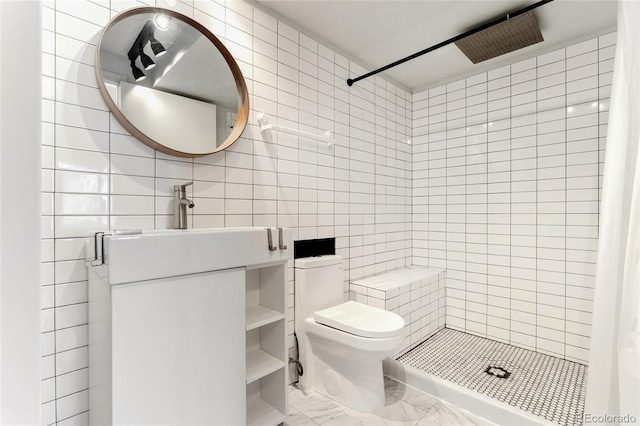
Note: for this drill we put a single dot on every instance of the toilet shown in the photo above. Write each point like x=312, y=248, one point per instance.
x=341, y=344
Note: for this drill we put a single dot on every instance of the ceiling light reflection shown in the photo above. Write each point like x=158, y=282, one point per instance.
x=161, y=22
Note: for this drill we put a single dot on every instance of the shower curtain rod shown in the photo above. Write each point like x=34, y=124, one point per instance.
x=451, y=40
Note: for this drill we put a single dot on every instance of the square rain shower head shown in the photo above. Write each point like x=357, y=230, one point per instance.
x=508, y=36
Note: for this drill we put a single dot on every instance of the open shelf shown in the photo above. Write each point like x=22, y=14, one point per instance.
x=258, y=315
x=260, y=413
x=261, y=363
x=265, y=343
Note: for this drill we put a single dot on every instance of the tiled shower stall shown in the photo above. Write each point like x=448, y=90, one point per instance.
x=507, y=170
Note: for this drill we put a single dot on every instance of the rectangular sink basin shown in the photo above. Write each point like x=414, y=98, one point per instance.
x=157, y=254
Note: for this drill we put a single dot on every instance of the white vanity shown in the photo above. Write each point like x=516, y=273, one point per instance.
x=188, y=327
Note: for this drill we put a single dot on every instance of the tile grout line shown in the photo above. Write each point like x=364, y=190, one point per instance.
x=55, y=144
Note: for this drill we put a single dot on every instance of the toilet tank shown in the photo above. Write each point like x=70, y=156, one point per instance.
x=318, y=284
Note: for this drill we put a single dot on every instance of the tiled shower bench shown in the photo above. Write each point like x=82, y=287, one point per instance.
x=416, y=293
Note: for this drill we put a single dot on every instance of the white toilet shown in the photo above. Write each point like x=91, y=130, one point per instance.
x=341, y=345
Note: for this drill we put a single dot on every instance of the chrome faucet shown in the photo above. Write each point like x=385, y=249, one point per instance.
x=180, y=204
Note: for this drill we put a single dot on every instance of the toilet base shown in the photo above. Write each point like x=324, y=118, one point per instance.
x=354, y=384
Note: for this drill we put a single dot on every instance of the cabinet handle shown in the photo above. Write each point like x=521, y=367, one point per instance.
x=99, y=257
x=281, y=240
x=270, y=240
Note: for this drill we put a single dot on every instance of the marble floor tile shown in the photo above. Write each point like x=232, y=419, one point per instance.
x=394, y=413
x=413, y=396
x=313, y=405
x=342, y=419
x=404, y=406
x=296, y=418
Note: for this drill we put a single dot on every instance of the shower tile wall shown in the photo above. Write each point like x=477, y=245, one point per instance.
x=96, y=177
x=507, y=170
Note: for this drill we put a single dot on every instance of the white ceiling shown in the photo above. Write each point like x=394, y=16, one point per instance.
x=380, y=32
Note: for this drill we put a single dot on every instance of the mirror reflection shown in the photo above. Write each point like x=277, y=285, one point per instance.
x=170, y=82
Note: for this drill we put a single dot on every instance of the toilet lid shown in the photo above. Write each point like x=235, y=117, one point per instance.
x=361, y=320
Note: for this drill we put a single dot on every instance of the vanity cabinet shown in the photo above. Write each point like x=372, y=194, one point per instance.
x=203, y=344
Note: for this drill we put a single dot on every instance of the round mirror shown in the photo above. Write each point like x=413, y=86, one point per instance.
x=171, y=83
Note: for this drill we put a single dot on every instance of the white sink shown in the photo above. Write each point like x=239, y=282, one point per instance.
x=156, y=254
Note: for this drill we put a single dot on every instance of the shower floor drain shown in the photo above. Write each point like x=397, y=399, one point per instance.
x=543, y=385
x=498, y=372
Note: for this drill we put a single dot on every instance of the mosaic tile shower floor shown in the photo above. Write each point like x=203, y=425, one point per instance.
x=541, y=384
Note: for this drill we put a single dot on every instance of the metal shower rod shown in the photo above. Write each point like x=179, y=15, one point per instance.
x=449, y=41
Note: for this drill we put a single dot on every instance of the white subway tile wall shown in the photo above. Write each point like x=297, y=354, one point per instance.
x=507, y=169
x=417, y=294
x=96, y=176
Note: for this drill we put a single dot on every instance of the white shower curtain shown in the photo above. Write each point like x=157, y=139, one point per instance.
x=613, y=385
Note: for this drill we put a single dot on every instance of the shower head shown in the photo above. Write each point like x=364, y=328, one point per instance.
x=507, y=36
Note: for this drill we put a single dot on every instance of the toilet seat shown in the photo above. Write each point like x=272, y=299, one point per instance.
x=361, y=320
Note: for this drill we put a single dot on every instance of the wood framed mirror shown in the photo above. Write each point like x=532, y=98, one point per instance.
x=171, y=83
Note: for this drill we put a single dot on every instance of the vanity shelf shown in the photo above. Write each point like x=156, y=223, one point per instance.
x=260, y=363
x=261, y=413
x=259, y=315
x=266, y=352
